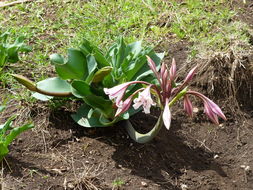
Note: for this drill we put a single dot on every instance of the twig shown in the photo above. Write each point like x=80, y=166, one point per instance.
x=13, y=3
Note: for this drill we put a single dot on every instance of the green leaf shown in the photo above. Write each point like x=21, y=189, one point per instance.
x=145, y=70
x=73, y=68
x=134, y=48
x=2, y=108
x=6, y=126
x=92, y=65
x=3, y=150
x=83, y=119
x=54, y=84
x=87, y=48
x=81, y=88
x=15, y=132
x=17, y=46
x=57, y=59
x=100, y=103
x=101, y=74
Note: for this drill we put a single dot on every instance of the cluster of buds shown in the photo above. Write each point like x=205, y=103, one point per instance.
x=166, y=93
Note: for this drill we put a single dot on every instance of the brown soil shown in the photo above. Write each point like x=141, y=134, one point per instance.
x=194, y=155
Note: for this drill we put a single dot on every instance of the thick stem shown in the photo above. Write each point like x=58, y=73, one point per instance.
x=31, y=86
x=143, y=138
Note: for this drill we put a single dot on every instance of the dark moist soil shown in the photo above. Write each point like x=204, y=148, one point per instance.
x=193, y=155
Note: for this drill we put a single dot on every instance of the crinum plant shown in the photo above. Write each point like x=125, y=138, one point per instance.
x=8, y=134
x=163, y=93
x=87, y=71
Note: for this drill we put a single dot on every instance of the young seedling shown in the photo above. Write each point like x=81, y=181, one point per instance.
x=8, y=134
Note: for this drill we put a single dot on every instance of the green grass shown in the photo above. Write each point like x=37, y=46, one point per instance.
x=209, y=25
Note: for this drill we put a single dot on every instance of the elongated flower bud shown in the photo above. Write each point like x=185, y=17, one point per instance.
x=152, y=66
x=124, y=106
x=188, y=106
x=209, y=112
x=173, y=70
x=163, y=68
x=212, y=110
x=190, y=75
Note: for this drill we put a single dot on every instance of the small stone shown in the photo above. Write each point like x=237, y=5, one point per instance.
x=195, y=110
x=216, y=156
x=184, y=187
x=144, y=184
x=71, y=186
x=247, y=168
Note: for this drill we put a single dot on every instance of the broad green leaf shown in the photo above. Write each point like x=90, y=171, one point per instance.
x=101, y=74
x=140, y=68
x=57, y=59
x=134, y=48
x=120, y=53
x=87, y=48
x=100, y=103
x=83, y=119
x=91, y=65
x=54, y=84
x=15, y=132
x=81, y=88
x=73, y=68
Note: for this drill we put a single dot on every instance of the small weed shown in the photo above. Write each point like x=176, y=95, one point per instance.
x=117, y=183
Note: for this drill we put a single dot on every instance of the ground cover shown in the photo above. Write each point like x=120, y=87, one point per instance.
x=193, y=154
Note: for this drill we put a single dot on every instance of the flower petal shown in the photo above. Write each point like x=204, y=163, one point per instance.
x=167, y=115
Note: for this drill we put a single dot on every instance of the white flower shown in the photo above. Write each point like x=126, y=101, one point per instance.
x=144, y=99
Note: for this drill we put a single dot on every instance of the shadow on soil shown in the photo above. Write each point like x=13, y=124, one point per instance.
x=162, y=161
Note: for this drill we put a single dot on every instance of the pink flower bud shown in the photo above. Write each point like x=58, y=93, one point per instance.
x=209, y=112
x=173, y=70
x=212, y=110
x=163, y=68
x=188, y=106
x=124, y=106
x=190, y=75
x=152, y=66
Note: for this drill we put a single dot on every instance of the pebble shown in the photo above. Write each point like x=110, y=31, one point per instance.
x=184, y=187
x=144, y=184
